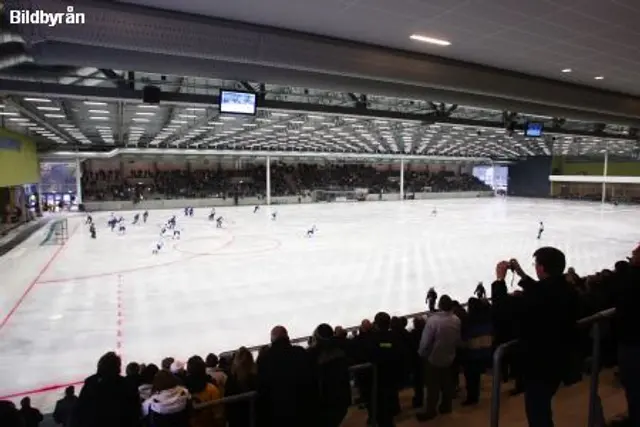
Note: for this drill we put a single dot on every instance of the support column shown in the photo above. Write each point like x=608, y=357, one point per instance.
x=78, y=181
x=401, y=179
x=605, y=170
x=268, y=180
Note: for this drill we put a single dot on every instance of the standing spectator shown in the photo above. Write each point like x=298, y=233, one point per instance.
x=65, y=407
x=243, y=379
x=385, y=352
x=438, y=345
x=166, y=363
x=417, y=378
x=477, y=335
x=214, y=371
x=626, y=320
x=132, y=373
x=203, y=393
x=432, y=297
x=168, y=405
x=286, y=388
x=331, y=367
x=546, y=317
x=146, y=381
x=107, y=399
x=9, y=415
x=30, y=416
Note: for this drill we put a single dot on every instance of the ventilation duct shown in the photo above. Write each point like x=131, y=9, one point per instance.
x=12, y=50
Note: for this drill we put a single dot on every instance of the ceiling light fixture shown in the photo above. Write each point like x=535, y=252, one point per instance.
x=599, y=77
x=56, y=116
x=37, y=100
x=99, y=118
x=94, y=103
x=430, y=40
x=567, y=70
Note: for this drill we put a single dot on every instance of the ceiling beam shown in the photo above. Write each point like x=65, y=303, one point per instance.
x=109, y=94
x=62, y=155
x=25, y=111
x=112, y=27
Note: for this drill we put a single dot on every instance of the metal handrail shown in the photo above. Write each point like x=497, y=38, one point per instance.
x=594, y=401
x=251, y=396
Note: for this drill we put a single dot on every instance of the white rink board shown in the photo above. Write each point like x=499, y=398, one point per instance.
x=215, y=290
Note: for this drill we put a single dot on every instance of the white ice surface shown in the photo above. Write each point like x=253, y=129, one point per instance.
x=215, y=290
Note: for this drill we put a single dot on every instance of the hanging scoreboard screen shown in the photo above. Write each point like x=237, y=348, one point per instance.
x=236, y=102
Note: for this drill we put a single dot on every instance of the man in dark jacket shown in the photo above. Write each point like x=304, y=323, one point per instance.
x=386, y=353
x=286, y=385
x=65, y=407
x=331, y=368
x=546, y=317
x=627, y=319
x=107, y=399
x=31, y=416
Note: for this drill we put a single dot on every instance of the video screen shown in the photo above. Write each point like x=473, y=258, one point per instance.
x=232, y=102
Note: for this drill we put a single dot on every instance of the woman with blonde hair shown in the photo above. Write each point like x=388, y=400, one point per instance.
x=243, y=379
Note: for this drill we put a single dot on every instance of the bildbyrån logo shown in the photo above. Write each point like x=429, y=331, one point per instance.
x=40, y=17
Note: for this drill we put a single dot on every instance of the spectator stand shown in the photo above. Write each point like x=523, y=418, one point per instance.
x=595, y=412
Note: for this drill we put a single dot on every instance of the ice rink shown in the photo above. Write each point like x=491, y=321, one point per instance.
x=214, y=290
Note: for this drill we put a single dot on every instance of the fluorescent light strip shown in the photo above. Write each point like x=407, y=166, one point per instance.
x=49, y=108
x=139, y=120
x=99, y=111
x=7, y=113
x=144, y=113
x=147, y=106
x=430, y=40
x=56, y=116
x=94, y=103
x=99, y=118
x=37, y=100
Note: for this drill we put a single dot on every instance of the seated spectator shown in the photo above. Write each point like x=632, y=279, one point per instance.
x=477, y=335
x=107, y=399
x=31, y=417
x=146, y=381
x=65, y=407
x=168, y=405
x=438, y=346
x=546, y=341
x=242, y=379
x=203, y=393
x=215, y=372
x=331, y=367
x=286, y=388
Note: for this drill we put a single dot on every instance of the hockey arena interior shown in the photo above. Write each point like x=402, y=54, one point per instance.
x=314, y=221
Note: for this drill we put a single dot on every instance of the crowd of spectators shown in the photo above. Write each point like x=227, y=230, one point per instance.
x=286, y=180
x=298, y=386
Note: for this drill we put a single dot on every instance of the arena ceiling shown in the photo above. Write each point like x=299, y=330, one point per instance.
x=291, y=119
x=592, y=38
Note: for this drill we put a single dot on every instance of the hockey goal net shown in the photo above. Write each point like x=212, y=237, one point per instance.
x=58, y=232
x=338, y=196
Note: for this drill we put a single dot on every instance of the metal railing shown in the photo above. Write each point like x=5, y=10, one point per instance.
x=252, y=396
x=594, y=400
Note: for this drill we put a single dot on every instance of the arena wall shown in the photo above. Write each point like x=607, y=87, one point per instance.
x=18, y=159
x=250, y=201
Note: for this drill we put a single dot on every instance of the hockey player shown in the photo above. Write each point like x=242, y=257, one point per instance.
x=145, y=215
x=212, y=215
x=89, y=220
x=122, y=229
x=434, y=212
x=176, y=234
x=311, y=231
x=432, y=297
x=540, y=230
x=480, y=291
x=172, y=222
x=112, y=223
x=219, y=222
x=256, y=209
x=186, y=211
x=158, y=247
x=274, y=215
x=191, y=212
x=92, y=230
x=136, y=218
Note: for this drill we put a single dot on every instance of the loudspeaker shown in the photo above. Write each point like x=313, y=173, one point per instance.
x=151, y=95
